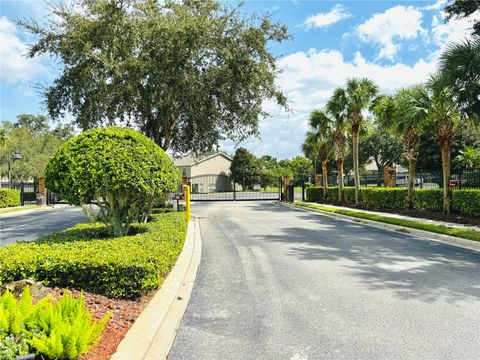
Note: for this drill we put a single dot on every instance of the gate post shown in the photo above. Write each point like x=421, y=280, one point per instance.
x=286, y=183
x=42, y=192
x=234, y=191
x=303, y=190
x=22, y=194
x=280, y=184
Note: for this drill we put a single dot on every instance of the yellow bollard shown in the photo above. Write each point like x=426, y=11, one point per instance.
x=186, y=190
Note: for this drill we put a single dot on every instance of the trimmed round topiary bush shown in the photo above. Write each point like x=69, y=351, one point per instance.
x=118, y=169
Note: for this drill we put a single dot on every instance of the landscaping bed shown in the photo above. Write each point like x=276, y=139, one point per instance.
x=420, y=225
x=124, y=314
x=116, y=275
x=428, y=203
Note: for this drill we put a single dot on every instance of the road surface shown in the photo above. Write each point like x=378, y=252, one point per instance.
x=31, y=224
x=279, y=283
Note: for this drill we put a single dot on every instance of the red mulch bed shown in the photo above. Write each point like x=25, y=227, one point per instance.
x=125, y=312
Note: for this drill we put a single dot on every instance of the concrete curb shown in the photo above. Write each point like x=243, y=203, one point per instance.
x=153, y=333
x=421, y=234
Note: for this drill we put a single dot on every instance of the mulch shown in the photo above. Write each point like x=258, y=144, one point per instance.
x=125, y=312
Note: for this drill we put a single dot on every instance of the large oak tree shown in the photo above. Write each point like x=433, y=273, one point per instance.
x=186, y=73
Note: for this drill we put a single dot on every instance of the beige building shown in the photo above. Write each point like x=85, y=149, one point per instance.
x=206, y=173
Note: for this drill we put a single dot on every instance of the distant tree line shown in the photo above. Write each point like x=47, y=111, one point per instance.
x=34, y=140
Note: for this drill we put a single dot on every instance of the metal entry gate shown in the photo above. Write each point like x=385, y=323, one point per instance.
x=224, y=188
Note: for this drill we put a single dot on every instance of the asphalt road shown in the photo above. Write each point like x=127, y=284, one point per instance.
x=30, y=224
x=279, y=283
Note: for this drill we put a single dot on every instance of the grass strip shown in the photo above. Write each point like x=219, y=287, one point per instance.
x=439, y=229
x=28, y=207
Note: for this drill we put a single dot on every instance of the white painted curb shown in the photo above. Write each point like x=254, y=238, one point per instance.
x=153, y=333
x=421, y=234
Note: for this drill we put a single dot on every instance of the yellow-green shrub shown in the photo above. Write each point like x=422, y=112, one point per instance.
x=9, y=197
x=63, y=329
x=84, y=257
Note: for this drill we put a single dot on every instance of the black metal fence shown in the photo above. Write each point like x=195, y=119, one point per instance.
x=465, y=179
x=224, y=188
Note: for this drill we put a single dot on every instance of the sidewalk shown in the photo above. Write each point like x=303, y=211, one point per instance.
x=404, y=217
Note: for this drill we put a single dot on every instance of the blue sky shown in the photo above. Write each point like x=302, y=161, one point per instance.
x=396, y=43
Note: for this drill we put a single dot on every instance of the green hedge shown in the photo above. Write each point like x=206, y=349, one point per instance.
x=384, y=198
x=9, y=197
x=315, y=193
x=429, y=199
x=85, y=257
x=466, y=202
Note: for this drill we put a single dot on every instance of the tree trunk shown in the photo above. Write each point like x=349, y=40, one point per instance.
x=412, y=164
x=356, y=170
x=324, y=178
x=445, y=150
x=340, y=180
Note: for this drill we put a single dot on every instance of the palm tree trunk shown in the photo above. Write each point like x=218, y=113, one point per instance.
x=340, y=179
x=324, y=177
x=445, y=149
x=356, y=171
x=412, y=164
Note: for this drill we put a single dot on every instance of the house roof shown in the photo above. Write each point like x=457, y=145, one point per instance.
x=189, y=160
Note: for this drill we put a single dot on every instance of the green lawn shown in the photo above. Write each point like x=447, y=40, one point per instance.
x=28, y=207
x=439, y=229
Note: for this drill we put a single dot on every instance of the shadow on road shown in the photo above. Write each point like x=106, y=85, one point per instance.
x=413, y=268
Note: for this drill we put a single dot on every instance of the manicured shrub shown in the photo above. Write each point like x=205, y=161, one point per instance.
x=429, y=199
x=119, y=169
x=314, y=193
x=349, y=194
x=86, y=258
x=332, y=195
x=384, y=198
x=466, y=202
x=9, y=197
x=63, y=329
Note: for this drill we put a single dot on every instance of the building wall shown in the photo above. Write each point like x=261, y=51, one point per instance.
x=215, y=165
x=185, y=171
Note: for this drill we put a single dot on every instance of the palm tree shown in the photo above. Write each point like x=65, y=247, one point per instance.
x=399, y=114
x=444, y=114
x=339, y=138
x=357, y=96
x=435, y=104
x=459, y=66
x=318, y=141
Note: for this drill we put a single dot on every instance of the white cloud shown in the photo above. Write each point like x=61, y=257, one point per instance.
x=15, y=67
x=387, y=28
x=323, y=20
x=437, y=5
x=309, y=79
x=454, y=30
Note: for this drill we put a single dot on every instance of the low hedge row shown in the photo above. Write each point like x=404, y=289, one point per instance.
x=465, y=202
x=9, y=197
x=84, y=257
